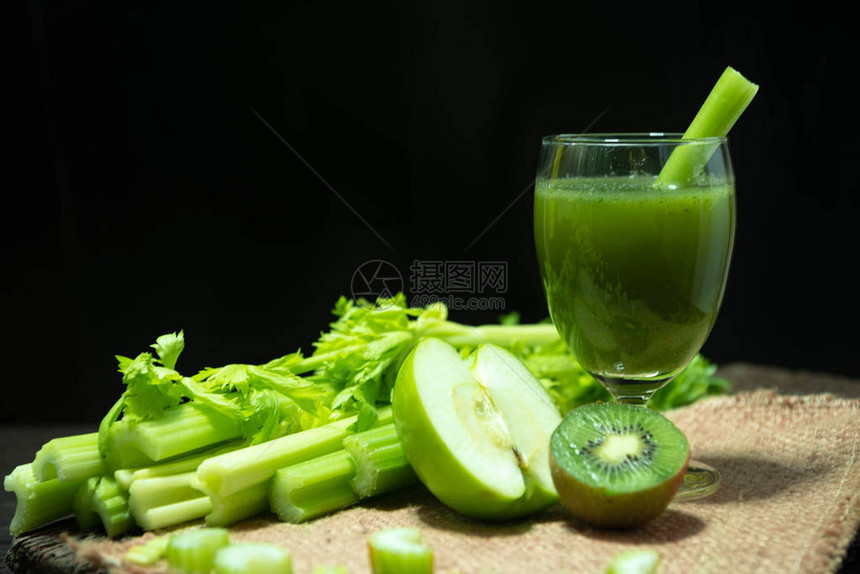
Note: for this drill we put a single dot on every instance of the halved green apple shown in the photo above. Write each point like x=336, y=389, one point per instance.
x=476, y=431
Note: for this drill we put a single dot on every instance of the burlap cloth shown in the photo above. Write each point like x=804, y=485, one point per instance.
x=789, y=502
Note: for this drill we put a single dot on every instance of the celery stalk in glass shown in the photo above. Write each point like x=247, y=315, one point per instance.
x=725, y=103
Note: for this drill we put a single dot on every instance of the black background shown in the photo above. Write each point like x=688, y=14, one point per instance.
x=146, y=190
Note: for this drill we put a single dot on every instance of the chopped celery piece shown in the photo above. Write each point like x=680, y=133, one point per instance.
x=163, y=501
x=634, y=562
x=399, y=551
x=37, y=503
x=380, y=462
x=312, y=488
x=726, y=102
x=83, y=505
x=239, y=505
x=253, y=558
x=228, y=473
x=111, y=504
x=149, y=552
x=193, y=551
x=69, y=458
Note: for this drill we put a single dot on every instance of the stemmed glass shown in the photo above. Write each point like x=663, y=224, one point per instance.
x=634, y=252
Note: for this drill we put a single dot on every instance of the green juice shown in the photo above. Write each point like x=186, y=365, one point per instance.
x=634, y=275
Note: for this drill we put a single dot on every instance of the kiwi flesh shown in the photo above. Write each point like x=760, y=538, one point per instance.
x=617, y=465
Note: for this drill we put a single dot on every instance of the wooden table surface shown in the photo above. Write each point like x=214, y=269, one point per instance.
x=18, y=443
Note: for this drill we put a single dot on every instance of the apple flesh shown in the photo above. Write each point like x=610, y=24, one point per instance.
x=476, y=431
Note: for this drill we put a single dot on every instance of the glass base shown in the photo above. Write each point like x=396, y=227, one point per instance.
x=700, y=481
x=632, y=390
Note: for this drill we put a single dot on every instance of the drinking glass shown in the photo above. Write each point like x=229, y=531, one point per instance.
x=634, y=251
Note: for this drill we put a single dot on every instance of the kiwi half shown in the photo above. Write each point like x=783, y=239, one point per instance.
x=617, y=465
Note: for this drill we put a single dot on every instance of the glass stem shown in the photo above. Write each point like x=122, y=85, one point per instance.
x=631, y=393
x=637, y=400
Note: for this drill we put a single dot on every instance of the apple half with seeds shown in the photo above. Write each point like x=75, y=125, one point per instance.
x=476, y=430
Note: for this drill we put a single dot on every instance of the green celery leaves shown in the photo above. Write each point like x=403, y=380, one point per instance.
x=352, y=372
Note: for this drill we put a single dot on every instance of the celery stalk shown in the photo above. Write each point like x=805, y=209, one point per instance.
x=728, y=99
x=239, y=505
x=175, y=513
x=99, y=501
x=163, y=501
x=126, y=476
x=372, y=462
x=111, y=504
x=183, y=429
x=69, y=458
x=313, y=488
x=166, y=494
x=234, y=471
x=380, y=462
x=85, y=512
x=399, y=551
x=461, y=335
x=119, y=449
x=37, y=503
x=253, y=557
x=160, y=490
x=726, y=102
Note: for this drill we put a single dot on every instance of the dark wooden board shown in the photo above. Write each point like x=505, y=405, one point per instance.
x=46, y=551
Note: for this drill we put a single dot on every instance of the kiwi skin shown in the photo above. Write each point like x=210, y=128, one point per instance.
x=597, y=498
x=596, y=507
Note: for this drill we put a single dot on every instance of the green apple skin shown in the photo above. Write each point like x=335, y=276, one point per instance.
x=473, y=485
